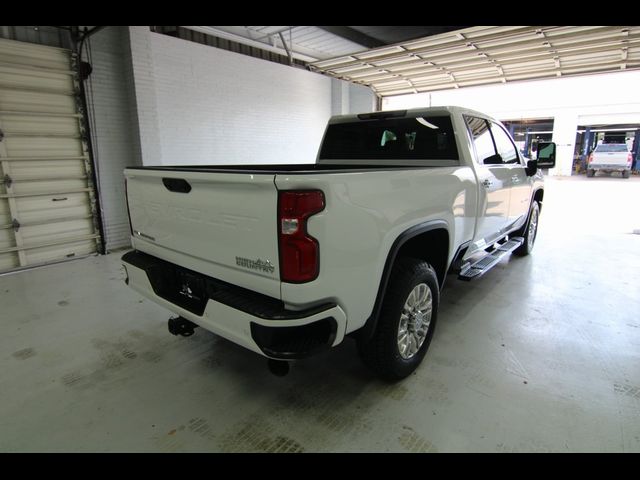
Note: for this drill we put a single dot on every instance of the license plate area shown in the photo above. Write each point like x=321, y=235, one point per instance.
x=180, y=286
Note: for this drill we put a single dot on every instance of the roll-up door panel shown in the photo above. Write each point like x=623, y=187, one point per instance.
x=47, y=198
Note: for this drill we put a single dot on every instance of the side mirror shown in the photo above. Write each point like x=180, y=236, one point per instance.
x=546, y=155
x=532, y=168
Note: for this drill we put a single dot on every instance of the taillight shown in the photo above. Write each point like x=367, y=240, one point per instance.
x=629, y=158
x=126, y=198
x=590, y=159
x=299, y=252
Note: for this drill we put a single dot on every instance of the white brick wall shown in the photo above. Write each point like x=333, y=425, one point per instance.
x=349, y=98
x=339, y=97
x=161, y=100
x=114, y=132
x=145, y=95
x=202, y=105
x=361, y=99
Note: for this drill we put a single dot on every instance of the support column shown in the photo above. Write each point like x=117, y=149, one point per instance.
x=586, y=141
x=145, y=95
x=636, y=151
x=564, y=135
x=339, y=97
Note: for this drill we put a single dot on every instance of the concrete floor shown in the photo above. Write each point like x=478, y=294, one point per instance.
x=541, y=354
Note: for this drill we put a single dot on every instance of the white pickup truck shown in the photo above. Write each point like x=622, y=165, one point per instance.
x=288, y=260
x=610, y=157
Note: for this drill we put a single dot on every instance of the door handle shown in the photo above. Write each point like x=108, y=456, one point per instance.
x=177, y=185
x=515, y=179
x=487, y=183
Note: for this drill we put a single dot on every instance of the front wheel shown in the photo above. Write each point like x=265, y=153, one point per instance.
x=530, y=232
x=406, y=323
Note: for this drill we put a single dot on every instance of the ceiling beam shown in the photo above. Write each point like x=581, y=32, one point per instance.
x=210, y=30
x=355, y=36
x=513, y=42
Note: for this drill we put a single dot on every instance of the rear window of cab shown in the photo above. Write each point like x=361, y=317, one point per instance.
x=415, y=138
x=612, y=147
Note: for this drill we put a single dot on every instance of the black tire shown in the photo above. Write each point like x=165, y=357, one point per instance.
x=590, y=172
x=382, y=353
x=528, y=233
x=625, y=174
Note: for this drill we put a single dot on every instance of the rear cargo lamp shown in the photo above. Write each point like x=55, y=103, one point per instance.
x=299, y=252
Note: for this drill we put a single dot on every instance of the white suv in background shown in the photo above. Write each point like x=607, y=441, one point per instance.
x=610, y=157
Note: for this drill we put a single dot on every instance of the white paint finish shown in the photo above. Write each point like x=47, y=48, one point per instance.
x=43, y=155
x=202, y=105
x=365, y=213
x=608, y=98
x=37, y=102
x=230, y=322
x=219, y=107
x=361, y=99
x=114, y=128
x=228, y=215
x=339, y=97
x=489, y=55
x=27, y=53
x=564, y=135
x=88, y=372
x=26, y=77
x=603, y=158
x=146, y=104
x=608, y=118
x=136, y=114
x=224, y=216
x=349, y=98
x=613, y=90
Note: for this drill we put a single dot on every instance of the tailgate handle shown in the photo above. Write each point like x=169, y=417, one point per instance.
x=177, y=185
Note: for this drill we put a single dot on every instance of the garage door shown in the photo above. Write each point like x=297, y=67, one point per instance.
x=47, y=201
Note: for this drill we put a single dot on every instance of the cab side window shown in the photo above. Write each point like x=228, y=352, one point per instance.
x=504, y=145
x=482, y=139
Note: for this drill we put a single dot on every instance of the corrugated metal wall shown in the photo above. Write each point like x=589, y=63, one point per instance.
x=224, y=44
x=47, y=200
x=41, y=35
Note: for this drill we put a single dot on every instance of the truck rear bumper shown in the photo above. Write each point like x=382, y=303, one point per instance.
x=613, y=168
x=252, y=320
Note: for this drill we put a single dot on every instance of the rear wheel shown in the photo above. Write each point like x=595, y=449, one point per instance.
x=530, y=232
x=625, y=174
x=590, y=172
x=406, y=323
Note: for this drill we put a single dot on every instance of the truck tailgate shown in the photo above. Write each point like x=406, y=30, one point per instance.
x=220, y=224
x=610, y=158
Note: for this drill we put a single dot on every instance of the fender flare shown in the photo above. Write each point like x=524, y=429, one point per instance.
x=366, y=332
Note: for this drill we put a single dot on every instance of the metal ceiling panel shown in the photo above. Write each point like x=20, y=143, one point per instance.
x=309, y=41
x=488, y=54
